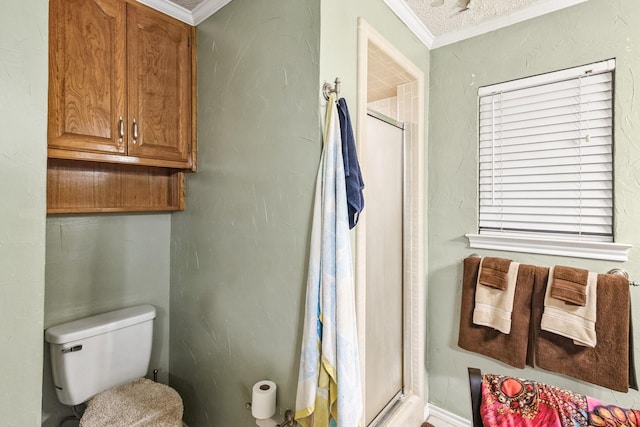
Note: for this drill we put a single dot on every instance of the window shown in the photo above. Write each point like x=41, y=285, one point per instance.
x=546, y=164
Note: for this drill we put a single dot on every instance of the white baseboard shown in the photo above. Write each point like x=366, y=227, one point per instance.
x=438, y=416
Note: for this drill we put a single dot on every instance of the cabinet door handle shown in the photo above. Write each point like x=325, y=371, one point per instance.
x=135, y=131
x=120, y=129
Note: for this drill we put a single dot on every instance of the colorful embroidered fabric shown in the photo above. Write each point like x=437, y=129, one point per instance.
x=514, y=402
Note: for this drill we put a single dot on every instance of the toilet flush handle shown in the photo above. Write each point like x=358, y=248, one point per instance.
x=72, y=349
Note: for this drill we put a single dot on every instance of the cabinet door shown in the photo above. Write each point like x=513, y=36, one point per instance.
x=87, y=65
x=159, y=93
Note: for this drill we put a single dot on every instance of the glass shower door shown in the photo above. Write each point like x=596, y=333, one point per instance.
x=384, y=182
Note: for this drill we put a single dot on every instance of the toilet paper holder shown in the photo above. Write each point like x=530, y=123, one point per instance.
x=289, y=419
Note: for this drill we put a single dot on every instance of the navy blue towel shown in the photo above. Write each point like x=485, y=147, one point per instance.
x=352, y=174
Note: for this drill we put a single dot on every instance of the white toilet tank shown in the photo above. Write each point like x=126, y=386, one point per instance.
x=96, y=353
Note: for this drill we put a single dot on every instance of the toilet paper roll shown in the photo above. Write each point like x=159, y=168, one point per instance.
x=263, y=399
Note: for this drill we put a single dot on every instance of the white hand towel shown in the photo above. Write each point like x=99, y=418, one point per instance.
x=493, y=306
x=572, y=321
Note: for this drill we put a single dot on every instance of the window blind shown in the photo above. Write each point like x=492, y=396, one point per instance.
x=545, y=160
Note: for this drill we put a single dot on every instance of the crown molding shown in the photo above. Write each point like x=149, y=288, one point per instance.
x=206, y=9
x=195, y=17
x=171, y=9
x=411, y=20
x=400, y=8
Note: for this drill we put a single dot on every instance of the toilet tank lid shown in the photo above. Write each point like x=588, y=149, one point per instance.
x=99, y=324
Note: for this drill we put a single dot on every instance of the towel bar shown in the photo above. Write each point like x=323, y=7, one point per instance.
x=623, y=273
x=612, y=271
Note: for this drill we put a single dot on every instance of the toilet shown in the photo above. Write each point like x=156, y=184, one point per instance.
x=102, y=361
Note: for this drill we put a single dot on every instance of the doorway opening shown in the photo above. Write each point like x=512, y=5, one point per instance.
x=392, y=166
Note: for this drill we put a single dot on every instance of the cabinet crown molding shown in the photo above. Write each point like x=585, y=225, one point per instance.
x=192, y=17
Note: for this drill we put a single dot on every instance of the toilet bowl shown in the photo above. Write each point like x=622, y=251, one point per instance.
x=101, y=361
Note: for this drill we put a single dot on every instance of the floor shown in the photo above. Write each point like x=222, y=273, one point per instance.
x=436, y=422
x=439, y=423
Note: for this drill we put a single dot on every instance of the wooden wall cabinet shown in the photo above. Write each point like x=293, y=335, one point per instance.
x=121, y=91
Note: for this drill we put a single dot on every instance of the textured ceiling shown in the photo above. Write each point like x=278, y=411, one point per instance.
x=443, y=17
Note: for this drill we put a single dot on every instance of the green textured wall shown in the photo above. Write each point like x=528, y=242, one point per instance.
x=23, y=152
x=593, y=31
x=98, y=263
x=239, y=251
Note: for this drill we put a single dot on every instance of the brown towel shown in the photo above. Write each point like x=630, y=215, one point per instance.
x=607, y=364
x=494, y=272
x=510, y=349
x=569, y=285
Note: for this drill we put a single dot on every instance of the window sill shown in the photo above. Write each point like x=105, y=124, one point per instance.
x=537, y=245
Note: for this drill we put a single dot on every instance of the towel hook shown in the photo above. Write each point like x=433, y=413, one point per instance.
x=327, y=89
